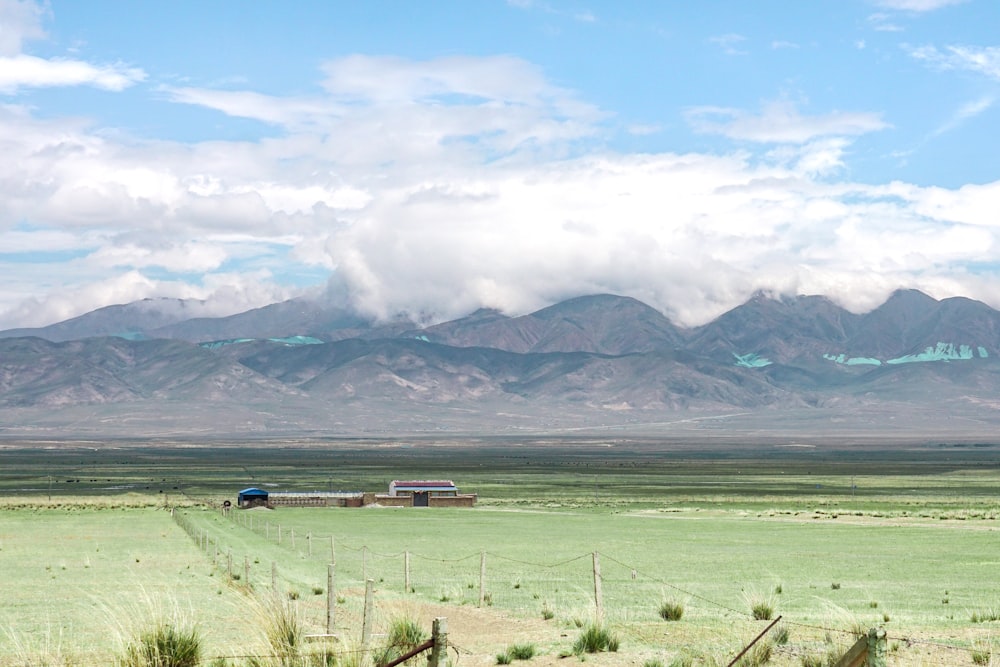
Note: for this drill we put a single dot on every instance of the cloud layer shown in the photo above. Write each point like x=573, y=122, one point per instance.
x=433, y=187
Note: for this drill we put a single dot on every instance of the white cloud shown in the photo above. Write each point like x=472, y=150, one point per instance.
x=729, y=43
x=24, y=71
x=20, y=21
x=780, y=122
x=440, y=186
x=984, y=60
x=918, y=5
x=966, y=112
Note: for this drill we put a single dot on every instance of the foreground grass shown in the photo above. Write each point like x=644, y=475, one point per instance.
x=911, y=548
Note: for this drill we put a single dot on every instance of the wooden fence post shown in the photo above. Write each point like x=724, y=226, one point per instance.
x=279, y=533
x=246, y=570
x=598, y=593
x=229, y=563
x=439, y=635
x=482, y=577
x=407, y=588
x=331, y=597
x=274, y=576
x=868, y=651
x=366, y=624
x=333, y=550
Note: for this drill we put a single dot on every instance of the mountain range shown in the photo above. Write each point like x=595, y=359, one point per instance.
x=800, y=365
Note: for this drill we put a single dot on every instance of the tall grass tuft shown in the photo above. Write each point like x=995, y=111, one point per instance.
x=596, y=639
x=403, y=635
x=283, y=630
x=761, y=605
x=671, y=610
x=163, y=645
x=981, y=654
x=759, y=654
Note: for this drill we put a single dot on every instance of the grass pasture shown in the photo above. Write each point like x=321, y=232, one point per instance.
x=834, y=543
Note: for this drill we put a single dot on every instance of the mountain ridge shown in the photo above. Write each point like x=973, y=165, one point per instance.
x=597, y=359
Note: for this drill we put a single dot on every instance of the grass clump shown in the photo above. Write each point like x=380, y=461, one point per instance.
x=671, y=610
x=985, y=616
x=981, y=654
x=759, y=655
x=761, y=606
x=516, y=652
x=163, y=645
x=780, y=635
x=683, y=660
x=403, y=635
x=596, y=639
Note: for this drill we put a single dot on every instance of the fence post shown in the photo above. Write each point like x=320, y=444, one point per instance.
x=279, y=533
x=407, y=588
x=267, y=530
x=364, y=563
x=229, y=564
x=439, y=651
x=274, y=576
x=331, y=597
x=868, y=651
x=366, y=624
x=309, y=542
x=876, y=647
x=482, y=577
x=598, y=594
x=333, y=550
x=246, y=570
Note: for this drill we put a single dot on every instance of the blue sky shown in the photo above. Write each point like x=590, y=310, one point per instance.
x=435, y=157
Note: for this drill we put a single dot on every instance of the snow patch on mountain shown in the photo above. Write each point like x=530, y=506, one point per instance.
x=939, y=352
x=751, y=360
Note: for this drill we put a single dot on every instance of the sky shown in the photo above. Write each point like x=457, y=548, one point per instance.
x=430, y=158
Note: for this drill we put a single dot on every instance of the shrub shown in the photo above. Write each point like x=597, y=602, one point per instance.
x=504, y=658
x=547, y=613
x=835, y=586
x=671, y=610
x=595, y=639
x=317, y=590
x=164, y=645
x=780, y=635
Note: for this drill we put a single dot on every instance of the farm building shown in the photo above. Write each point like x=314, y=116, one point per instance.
x=417, y=493
x=425, y=493
x=316, y=499
x=252, y=498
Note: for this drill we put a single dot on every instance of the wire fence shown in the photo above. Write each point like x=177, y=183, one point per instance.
x=572, y=587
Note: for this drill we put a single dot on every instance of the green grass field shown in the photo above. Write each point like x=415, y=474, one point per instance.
x=905, y=541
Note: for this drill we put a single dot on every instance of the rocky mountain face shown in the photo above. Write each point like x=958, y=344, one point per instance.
x=299, y=366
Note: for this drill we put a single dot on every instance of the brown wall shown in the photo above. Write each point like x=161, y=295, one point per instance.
x=465, y=500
